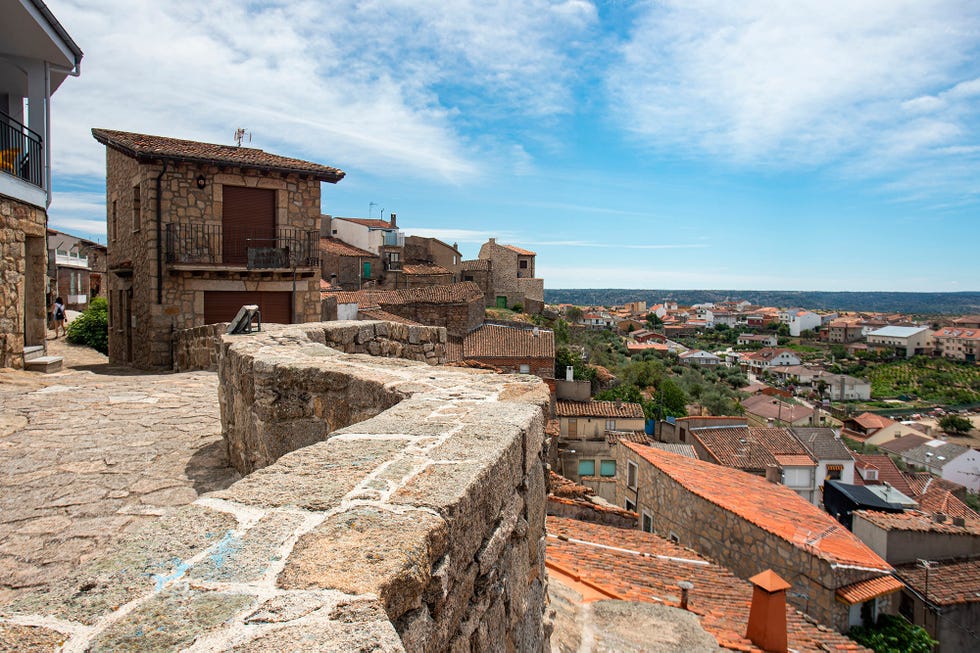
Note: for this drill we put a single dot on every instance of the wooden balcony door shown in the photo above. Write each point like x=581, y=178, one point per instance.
x=248, y=219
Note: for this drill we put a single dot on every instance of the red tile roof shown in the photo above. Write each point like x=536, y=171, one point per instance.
x=519, y=250
x=949, y=582
x=794, y=460
x=922, y=481
x=888, y=472
x=424, y=268
x=773, y=508
x=371, y=223
x=769, y=353
x=496, y=341
x=917, y=521
x=612, y=437
x=378, y=314
x=940, y=500
x=764, y=406
x=450, y=293
x=957, y=334
x=644, y=567
x=865, y=590
x=564, y=408
x=145, y=147
x=903, y=443
x=475, y=264
x=869, y=421
x=340, y=248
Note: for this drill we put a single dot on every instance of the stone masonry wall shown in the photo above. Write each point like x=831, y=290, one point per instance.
x=198, y=348
x=19, y=221
x=418, y=529
x=740, y=545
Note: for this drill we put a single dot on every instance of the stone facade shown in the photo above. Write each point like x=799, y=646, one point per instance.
x=745, y=548
x=419, y=249
x=420, y=528
x=513, y=277
x=142, y=318
x=23, y=280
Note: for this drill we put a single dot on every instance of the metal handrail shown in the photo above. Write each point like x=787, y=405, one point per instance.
x=21, y=151
x=211, y=244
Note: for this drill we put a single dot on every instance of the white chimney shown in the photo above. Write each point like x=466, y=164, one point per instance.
x=569, y=373
x=536, y=331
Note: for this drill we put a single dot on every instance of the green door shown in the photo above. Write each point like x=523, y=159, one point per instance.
x=367, y=270
x=501, y=302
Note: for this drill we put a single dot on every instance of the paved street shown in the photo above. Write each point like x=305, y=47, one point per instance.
x=89, y=452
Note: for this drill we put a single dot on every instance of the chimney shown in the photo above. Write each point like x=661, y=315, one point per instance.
x=325, y=224
x=536, y=331
x=393, y=219
x=569, y=373
x=767, y=616
x=685, y=586
x=493, y=241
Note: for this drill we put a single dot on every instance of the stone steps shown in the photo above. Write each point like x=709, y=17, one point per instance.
x=33, y=351
x=44, y=364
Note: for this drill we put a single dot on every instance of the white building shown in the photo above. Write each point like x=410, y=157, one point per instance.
x=910, y=341
x=800, y=320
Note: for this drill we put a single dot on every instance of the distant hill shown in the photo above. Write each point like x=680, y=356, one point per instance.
x=951, y=303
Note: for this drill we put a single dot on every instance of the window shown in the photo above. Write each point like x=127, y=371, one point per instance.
x=631, y=472
x=586, y=468
x=610, y=425
x=525, y=369
x=607, y=468
x=522, y=264
x=647, y=524
x=136, y=207
x=674, y=537
x=467, y=277
x=630, y=505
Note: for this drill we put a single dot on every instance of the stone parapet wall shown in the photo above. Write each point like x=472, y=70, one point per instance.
x=198, y=348
x=419, y=528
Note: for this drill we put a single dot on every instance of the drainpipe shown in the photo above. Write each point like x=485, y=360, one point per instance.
x=160, y=233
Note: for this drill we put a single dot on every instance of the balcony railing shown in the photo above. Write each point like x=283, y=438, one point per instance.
x=214, y=246
x=21, y=151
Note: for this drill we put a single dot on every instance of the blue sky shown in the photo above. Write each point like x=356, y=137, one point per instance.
x=807, y=145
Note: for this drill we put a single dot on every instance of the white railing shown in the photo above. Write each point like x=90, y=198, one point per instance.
x=77, y=299
x=76, y=260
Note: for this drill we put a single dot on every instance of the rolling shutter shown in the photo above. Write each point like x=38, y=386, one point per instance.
x=248, y=219
x=222, y=306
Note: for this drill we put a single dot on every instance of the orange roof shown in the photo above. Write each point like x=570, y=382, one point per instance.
x=797, y=460
x=340, y=248
x=872, y=421
x=424, y=268
x=145, y=147
x=519, y=250
x=957, y=334
x=888, y=472
x=773, y=508
x=940, y=500
x=914, y=520
x=497, y=341
x=644, y=567
x=866, y=590
x=564, y=408
x=949, y=582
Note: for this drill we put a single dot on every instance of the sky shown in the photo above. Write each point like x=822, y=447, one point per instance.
x=760, y=144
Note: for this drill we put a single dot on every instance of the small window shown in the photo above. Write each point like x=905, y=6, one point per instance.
x=630, y=505
x=631, y=473
x=610, y=425
x=523, y=264
x=525, y=369
x=647, y=522
x=467, y=277
x=607, y=468
x=674, y=537
x=586, y=468
x=136, y=207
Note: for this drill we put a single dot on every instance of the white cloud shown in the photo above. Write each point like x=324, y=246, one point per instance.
x=803, y=83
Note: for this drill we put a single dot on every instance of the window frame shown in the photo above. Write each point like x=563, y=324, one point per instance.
x=629, y=504
x=586, y=461
x=602, y=468
x=632, y=473
x=645, y=518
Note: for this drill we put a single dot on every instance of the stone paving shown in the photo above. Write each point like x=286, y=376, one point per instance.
x=93, y=452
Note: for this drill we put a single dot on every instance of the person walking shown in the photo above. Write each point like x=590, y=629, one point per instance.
x=59, y=317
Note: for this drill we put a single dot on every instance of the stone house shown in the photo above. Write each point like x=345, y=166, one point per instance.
x=196, y=230
x=588, y=433
x=37, y=56
x=747, y=523
x=514, y=280
x=513, y=349
x=415, y=275
x=420, y=249
x=380, y=237
x=76, y=267
x=342, y=264
x=945, y=600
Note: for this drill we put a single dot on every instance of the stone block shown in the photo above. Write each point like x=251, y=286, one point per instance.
x=367, y=550
x=246, y=558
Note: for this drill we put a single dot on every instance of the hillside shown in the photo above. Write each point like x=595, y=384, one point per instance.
x=950, y=303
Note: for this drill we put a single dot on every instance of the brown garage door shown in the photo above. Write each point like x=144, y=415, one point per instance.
x=222, y=306
x=248, y=219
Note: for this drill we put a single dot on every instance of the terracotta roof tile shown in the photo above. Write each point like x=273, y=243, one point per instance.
x=869, y=421
x=378, y=314
x=949, y=582
x=866, y=590
x=939, y=500
x=475, y=264
x=564, y=408
x=795, y=460
x=496, y=341
x=644, y=567
x=888, y=472
x=519, y=250
x=145, y=147
x=424, y=268
x=773, y=508
x=371, y=223
x=612, y=437
x=450, y=293
x=921, y=482
x=903, y=443
x=340, y=248
x=766, y=407
x=917, y=521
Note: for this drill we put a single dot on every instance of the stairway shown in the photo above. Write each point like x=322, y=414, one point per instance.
x=36, y=361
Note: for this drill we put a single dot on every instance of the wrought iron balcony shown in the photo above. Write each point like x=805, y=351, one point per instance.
x=208, y=245
x=21, y=151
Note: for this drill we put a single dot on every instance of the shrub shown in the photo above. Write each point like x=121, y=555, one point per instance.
x=91, y=328
x=893, y=633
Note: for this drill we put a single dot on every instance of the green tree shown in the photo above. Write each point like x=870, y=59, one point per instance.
x=670, y=399
x=956, y=424
x=782, y=330
x=653, y=321
x=91, y=328
x=561, y=332
x=574, y=314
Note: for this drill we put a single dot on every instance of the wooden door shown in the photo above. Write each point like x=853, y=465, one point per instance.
x=223, y=306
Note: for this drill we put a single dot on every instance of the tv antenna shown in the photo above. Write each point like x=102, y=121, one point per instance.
x=371, y=206
x=241, y=134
